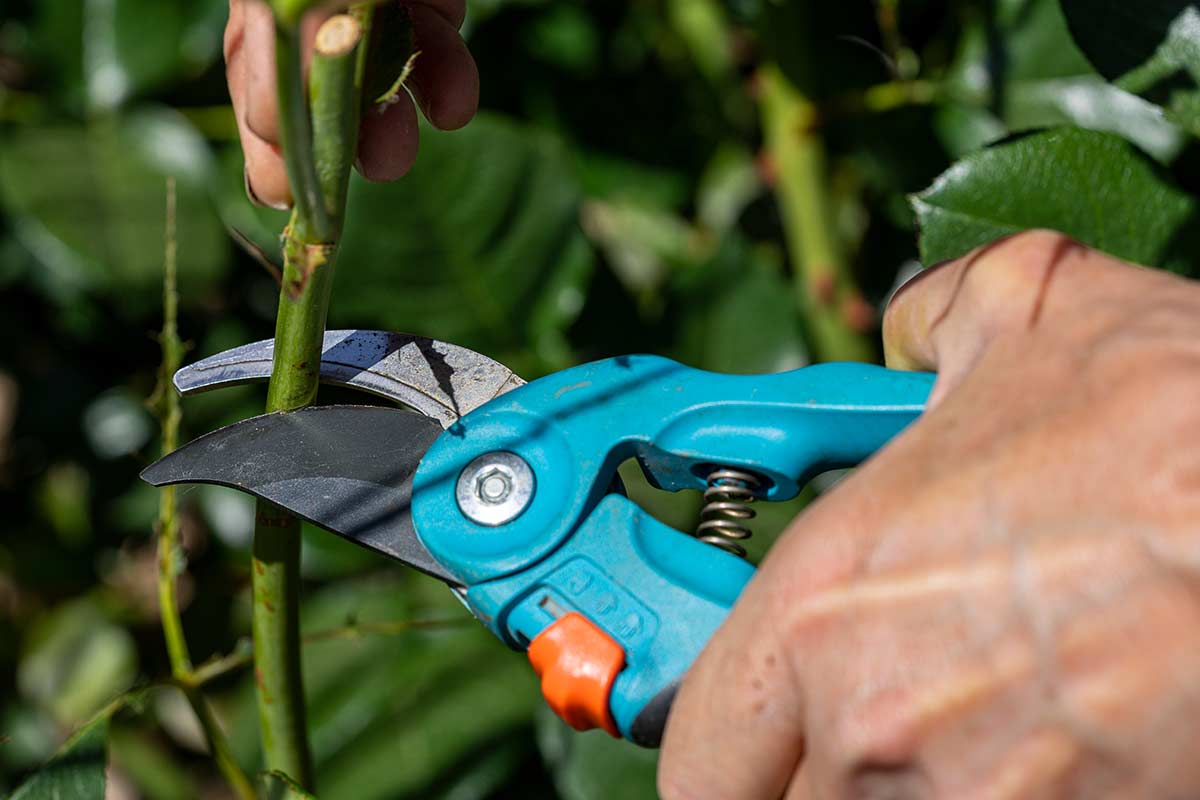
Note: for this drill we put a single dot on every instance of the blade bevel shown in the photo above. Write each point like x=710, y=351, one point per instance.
x=347, y=469
x=439, y=379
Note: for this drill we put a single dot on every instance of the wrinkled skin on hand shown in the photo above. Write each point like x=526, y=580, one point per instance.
x=1004, y=602
x=444, y=82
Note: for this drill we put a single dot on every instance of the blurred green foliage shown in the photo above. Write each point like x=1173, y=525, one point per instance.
x=613, y=196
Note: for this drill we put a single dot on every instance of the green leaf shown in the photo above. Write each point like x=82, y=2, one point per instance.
x=479, y=244
x=1089, y=102
x=75, y=771
x=1093, y=186
x=1151, y=47
x=89, y=203
x=1024, y=64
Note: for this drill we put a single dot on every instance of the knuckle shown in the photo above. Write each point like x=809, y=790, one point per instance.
x=890, y=783
x=231, y=44
x=1008, y=274
x=1148, y=373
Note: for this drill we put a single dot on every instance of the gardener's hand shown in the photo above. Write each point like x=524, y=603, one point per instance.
x=444, y=81
x=1005, y=602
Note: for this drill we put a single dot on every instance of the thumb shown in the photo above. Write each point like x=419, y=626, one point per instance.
x=947, y=317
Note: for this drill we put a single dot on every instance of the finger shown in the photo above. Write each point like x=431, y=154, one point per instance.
x=453, y=11
x=257, y=95
x=735, y=729
x=387, y=142
x=259, y=92
x=944, y=318
x=246, y=39
x=444, y=80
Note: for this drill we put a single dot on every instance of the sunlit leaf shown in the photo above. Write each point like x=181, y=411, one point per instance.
x=1089, y=102
x=1093, y=186
x=1025, y=65
x=1151, y=47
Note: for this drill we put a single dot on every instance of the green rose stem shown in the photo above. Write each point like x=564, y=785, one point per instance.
x=166, y=403
x=318, y=147
x=838, y=318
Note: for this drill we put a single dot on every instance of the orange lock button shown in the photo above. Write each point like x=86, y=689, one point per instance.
x=578, y=663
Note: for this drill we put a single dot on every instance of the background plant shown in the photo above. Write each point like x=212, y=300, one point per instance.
x=737, y=185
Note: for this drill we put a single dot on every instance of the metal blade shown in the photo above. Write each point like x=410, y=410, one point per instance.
x=347, y=469
x=441, y=380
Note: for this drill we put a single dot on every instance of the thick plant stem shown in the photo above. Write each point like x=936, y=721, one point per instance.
x=837, y=316
x=296, y=135
x=168, y=523
x=276, y=627
x=318, y=150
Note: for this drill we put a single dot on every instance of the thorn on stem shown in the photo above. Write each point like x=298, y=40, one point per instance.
x=258, y=254
x=858, y=313
x=822, y=287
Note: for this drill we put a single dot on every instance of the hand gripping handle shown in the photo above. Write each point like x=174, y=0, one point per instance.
x=579, y=551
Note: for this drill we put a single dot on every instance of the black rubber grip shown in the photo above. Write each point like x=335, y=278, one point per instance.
x=647, y=727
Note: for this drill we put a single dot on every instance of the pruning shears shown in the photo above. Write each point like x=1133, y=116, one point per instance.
x=508, y=491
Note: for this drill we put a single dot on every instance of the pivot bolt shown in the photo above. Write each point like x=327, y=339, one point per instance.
x=495, y=488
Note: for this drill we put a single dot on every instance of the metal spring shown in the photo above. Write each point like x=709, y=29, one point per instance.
x=726, y=508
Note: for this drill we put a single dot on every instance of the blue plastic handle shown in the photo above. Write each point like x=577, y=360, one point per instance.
x=657, y=592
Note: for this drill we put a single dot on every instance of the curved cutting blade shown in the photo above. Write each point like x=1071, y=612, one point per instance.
x=439, y=379
x=347, y=469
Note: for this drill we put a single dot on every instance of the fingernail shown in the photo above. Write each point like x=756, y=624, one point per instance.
x=254, y=198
